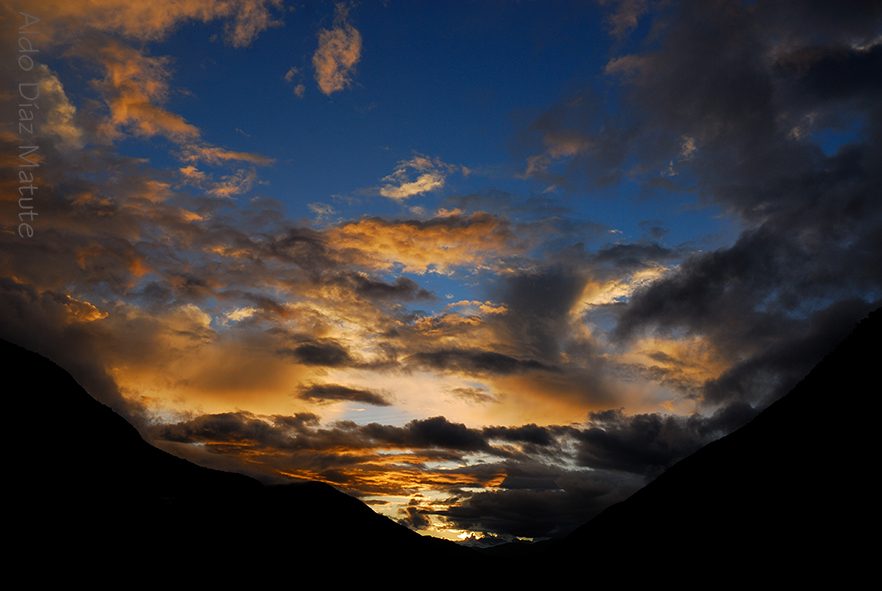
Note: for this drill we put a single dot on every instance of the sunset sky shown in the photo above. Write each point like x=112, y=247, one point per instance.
x=489, y=266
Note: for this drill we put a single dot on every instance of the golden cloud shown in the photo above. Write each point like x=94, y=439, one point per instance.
x=338, y=52
x=432, y=175
x=63, y=20
x=215, y=155
x=132, y=84
x=438, y=245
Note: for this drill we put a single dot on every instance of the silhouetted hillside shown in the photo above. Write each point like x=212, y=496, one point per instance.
x=784, y=499
x=98, y=501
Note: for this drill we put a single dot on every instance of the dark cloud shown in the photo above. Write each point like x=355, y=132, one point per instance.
x=550, y=510
x=771, y=111
x=226, y=428
x=538, y=311
x=336, y=392
x=627, y=257
x=654, y=229
x=433, y=432
x=414, y=515
x=303, y=432
x=402, y=288
x=647, y=444
x=304, y=247
x=833, y=73
x=774, y=371
x=474, y=361
x=729, y=279
x=324, y=353
x=525, y=434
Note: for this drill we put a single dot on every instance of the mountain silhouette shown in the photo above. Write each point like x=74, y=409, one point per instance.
x=97, y=501
x=783, y=500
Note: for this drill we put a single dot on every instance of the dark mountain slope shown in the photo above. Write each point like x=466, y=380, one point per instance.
x=93, y=499
x=785, y=498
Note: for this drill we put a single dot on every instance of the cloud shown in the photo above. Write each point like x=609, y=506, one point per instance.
x=710, y=109
x=251, y=18
x=302, y=431
x=228, y=186
x=438, y=244
x=626, y=15
x=415, y=515
x=553, y=503
x=134, y=87
x=401, y=289
x=132, y=84
x=423, y=184
x=65, y=21
x=335, y=392
x=473, y=395
x=431, y=175
x=234, y=184
x=327, y=354
x=622, y=451
x=531, y=433
x=299, y=88
x=471, y=361
x=215, y=155
x=61, y=116
x=338, y=52
x=648, y=444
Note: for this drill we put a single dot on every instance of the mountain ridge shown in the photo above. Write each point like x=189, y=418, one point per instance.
x=764, y=490
x=95, y=489
x=765, y=494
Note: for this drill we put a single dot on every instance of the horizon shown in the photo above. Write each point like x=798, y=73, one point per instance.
x=489, y=267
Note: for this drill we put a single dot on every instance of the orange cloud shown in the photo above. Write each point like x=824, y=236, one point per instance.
x=338, y=52
x=215, y=155
x=437, y=245
x=683, y=364
x=431, y=175
x=132, y=84
x=64, y=20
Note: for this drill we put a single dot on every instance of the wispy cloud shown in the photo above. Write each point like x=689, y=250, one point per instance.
x=133, y=87
x=624, y=18
x=430, y=175
x=65, y=21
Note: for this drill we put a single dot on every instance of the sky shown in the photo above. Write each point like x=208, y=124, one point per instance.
x=488, y=266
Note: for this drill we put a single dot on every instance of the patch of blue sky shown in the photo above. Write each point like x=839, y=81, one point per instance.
x=832, y=139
